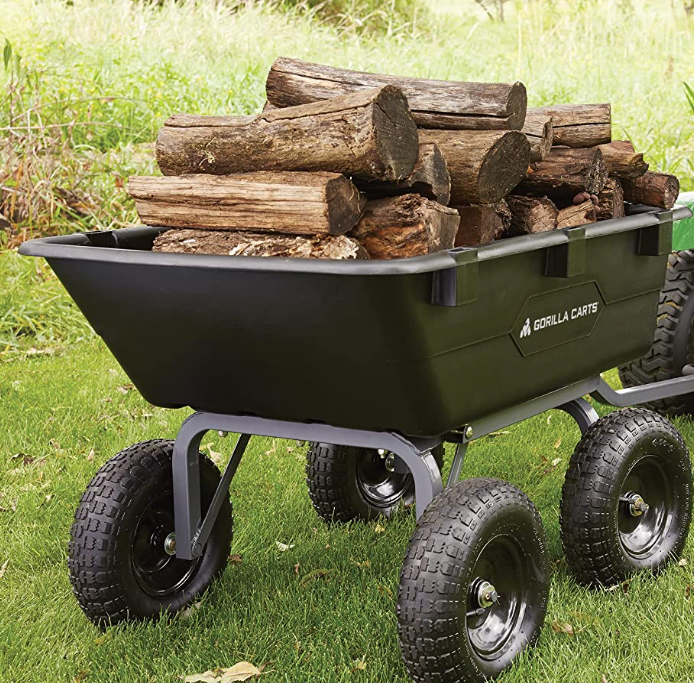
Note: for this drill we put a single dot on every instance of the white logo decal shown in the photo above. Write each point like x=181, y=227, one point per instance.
x=525, y=332
x=559, y=318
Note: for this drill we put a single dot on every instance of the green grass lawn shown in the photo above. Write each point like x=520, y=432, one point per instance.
x=65, y=412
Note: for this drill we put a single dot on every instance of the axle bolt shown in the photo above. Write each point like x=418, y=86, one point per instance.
x=170, y=544
x=486, y=595
x=390, y=462
x=468, y=432
x=381, y=452
x=636, y=505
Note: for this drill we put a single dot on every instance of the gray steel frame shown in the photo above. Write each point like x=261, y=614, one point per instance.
x=415, y=454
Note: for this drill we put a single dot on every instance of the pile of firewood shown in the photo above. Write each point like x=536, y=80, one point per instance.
x=343, y=164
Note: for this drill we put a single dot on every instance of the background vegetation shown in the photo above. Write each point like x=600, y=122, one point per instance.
x=85, y=85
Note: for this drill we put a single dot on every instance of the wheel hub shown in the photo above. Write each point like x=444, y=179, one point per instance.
x=484, y=593
x=170, y=544
x=635, y=504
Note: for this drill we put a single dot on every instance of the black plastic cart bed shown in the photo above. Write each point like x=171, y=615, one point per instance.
x=376, y=364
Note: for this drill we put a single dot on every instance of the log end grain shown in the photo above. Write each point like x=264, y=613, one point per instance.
x=405, y=226
x=610, y=201
x=482, y=223
x=576, y=214
x=504, y=165
x=531, y=214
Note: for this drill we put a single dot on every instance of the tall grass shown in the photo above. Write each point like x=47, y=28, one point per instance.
x=100, y=76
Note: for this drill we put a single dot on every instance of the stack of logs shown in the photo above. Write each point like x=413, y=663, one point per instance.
x=342, y=164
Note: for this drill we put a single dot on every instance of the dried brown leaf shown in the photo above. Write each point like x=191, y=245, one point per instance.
x=563, y=627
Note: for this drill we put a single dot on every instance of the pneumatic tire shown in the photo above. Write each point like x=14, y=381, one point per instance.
x=627, y=499
x=347, y=483
x=117, y=558
x=474, y=585
x=673, y=340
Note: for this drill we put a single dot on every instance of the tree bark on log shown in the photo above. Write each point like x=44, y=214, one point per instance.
x=258, y=244
x=293, y=202
x=576, y=214
x=566, y=172
x=531, y=214
x=369, y=134
x=579, y=125
x=539, y=130
x=610, y=201
x=482, y=223
x=484, y=165
x=434, y=104
x=430, y=178
x=409, y=225
x=622, y=160
x=652, y=189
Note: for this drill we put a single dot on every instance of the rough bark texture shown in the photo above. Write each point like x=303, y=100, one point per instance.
x=482, y=223
x=369, y=134
x=610, y=201
x=576, y=214
x=484, y=165
x=410, y=225
x=539, y=130
x=652, y=189
x=430, y=178
x=579, y=125
x=565, y=172
x=531, y=214
x=258, y=244
x=434, y=104
x=292, y=202
x=622, y=160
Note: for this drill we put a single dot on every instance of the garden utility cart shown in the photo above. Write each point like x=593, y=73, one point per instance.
x=460, y=343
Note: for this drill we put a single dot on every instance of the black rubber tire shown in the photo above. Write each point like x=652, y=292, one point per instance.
x=438, y=637
x=673, y=340
x=101, y=558
x=333, y=484
x=624, y=451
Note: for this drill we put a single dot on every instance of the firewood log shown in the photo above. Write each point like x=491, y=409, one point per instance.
x=652, y=189
x=291, y=202
x=369, y=134
x=434, y=104
x=576, y=214
x=258, y=244
x=531, y=214
x=430, y=178
x=610, y=201
x=564, y=173
x=484, y=165
x=539, y=130
x=579, y=125
x=482, y=223
x=622, y=161
x=409, y=225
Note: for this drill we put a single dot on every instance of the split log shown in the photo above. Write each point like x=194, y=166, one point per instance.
x=610, y=201
x=409, y=225
x=531, y=214
x=576, y=214
x=484, y=165
x=565, y=172
x=258, y=244
x=622, y=160
x=482, y=223
x=652, y=189
x=434, y=104
x=369, y=134
x=430, y=178
x=297, y=203
x=539, y=130
x=579, y=125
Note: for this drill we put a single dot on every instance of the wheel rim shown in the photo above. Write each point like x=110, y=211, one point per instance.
x=490, y=629
x=642, y=533
x=380, y=486
x=158, y=573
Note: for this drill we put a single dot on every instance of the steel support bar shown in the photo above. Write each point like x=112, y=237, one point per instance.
x=555, y=399
x=415, y=453
x=582, y=412
x=457, y=464
x=655, y=391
